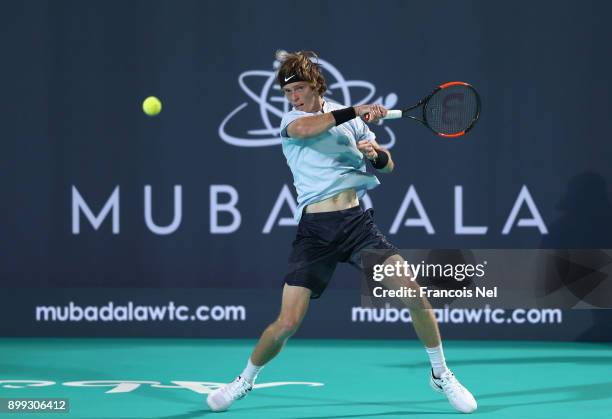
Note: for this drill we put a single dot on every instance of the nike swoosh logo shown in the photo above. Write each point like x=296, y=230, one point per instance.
x=289, y=78
x=436, y=384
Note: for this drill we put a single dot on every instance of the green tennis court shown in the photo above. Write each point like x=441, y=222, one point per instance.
x=360, y=379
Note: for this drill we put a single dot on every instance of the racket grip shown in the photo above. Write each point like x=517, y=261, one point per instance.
x=393, y=114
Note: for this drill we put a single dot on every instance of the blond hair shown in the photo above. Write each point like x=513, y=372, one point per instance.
x=304, y=65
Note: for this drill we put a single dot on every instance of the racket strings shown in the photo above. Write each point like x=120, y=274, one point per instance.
x=452, y=110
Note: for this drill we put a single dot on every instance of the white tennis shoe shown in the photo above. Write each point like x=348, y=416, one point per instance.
x=458, y=396
x=223, y=397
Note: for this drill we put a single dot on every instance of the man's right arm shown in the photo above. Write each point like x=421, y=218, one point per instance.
x=310, y=126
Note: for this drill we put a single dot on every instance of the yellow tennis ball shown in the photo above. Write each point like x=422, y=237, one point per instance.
x=151, y=106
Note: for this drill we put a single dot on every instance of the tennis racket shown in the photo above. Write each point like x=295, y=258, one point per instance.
x=450, y=110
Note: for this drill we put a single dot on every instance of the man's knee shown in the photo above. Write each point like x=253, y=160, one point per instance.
x=288, y=325
x=402, y=275
x=404, y=278
x=394, y=260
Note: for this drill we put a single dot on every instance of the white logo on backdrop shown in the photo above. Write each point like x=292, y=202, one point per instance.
x=272, y=104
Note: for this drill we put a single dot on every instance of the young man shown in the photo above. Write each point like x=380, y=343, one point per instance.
x=326, y=146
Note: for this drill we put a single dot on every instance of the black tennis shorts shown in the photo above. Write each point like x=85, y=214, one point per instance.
x=326, y=238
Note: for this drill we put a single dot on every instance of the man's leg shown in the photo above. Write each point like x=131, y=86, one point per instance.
x=293, y=308
x=426, y=328
x=421, y=313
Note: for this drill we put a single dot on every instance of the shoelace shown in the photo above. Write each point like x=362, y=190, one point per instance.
x=450, y=384
x=239, y=388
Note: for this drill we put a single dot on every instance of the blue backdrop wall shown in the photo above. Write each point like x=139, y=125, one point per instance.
x=103, y=206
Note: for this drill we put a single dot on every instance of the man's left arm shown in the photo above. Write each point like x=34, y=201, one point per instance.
x=376, y=154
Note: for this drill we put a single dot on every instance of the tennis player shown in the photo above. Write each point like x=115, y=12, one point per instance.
x=326, y=146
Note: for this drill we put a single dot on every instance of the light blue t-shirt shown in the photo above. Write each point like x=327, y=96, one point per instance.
x=328, y=163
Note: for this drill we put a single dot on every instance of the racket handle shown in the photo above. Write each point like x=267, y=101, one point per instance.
x=393, y=114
